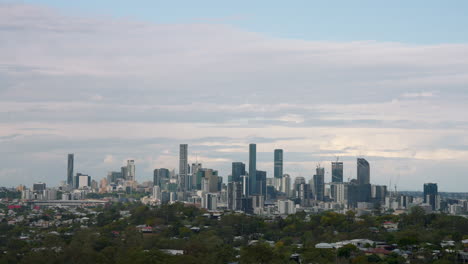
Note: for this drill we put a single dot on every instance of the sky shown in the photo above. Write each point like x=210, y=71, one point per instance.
x=117, y=80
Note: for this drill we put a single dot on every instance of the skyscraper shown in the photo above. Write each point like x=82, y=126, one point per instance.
x=156, y=178
x=261, y=183
x=124, y=171
x=238, y=170
x=319, y=184
x=286, y=185
x=278, y=163
x=253, y=168
x=183, y=166
x=70, y=169
x=130, y=170
x=363, y=171
x=430, y=194
x=195, y=168
x=337, y=171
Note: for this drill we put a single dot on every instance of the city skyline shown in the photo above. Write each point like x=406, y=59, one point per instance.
x=362, y=168
x=113, y=83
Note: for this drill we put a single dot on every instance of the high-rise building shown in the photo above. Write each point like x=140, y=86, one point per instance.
x=286, y=185
x=39, y=187
x=210, y=201
x=124, y=171
x=160, y=175
x=195, y=168
x=363, y=171
x=130, y=170
x=70, y=169
x=157, y=192
x=341, y=192
x=337, y=171
x=278, y=163
x=319, y=184
x=261, y=183
x=378, y=193
x=209, y=180
x=298, y=181
x=286, y=207
x=113, y=176
x=238, y=170
x=253, y=168
x=83, y=181
x=156, y=178
x=431, y=194
x=245, y=185
x=183, y=166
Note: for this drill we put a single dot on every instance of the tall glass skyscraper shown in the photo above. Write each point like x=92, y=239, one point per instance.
x=337, y=171
x=238, y=170
x=363, y=171
x=130, y=170
x=70, y=169
x=253, y=168
x=430, y=194
x=183, y=166
x=319, y=184
x=278, y=163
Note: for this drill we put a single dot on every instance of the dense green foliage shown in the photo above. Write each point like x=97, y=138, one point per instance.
x=112, y=238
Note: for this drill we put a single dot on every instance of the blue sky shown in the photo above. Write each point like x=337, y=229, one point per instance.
x=418, y=21
x=115, y=80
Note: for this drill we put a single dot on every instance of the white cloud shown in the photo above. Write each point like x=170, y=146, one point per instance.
x=116, y=88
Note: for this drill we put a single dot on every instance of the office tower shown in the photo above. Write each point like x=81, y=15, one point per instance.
x=113, y=176
x=124, y=172
x=210, y=201
x=157, y=192
x=195, y=168
x=209, y=180
x=231, y=195
x=341, y=192
x=431, y=194
x=130, y=170
x=258, y=201
x=234, y=195
x=319, y=184
x=183, y=163
x=238, y=170
x=160, y=176
x=50, y=194
x=83, y=181
x=164, y=174
x=261, y=183
x=303, y=194
x=39, y=187
x=286, y=207
x=70, y=169
x=298, y=181
x=353, y=193
x=378, y=193
x=337, y=171
x=246, y=205
x=271, y=192
x=253, y=168
x=286, y=185
x=199, y=179
x=245, y=185
x=156, y=178
x=278, y=163
x=363, y=171
x=278, y=168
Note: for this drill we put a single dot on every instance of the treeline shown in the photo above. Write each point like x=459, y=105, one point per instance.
x=115, y=239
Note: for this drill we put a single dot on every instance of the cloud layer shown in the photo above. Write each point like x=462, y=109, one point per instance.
x=110, y=89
